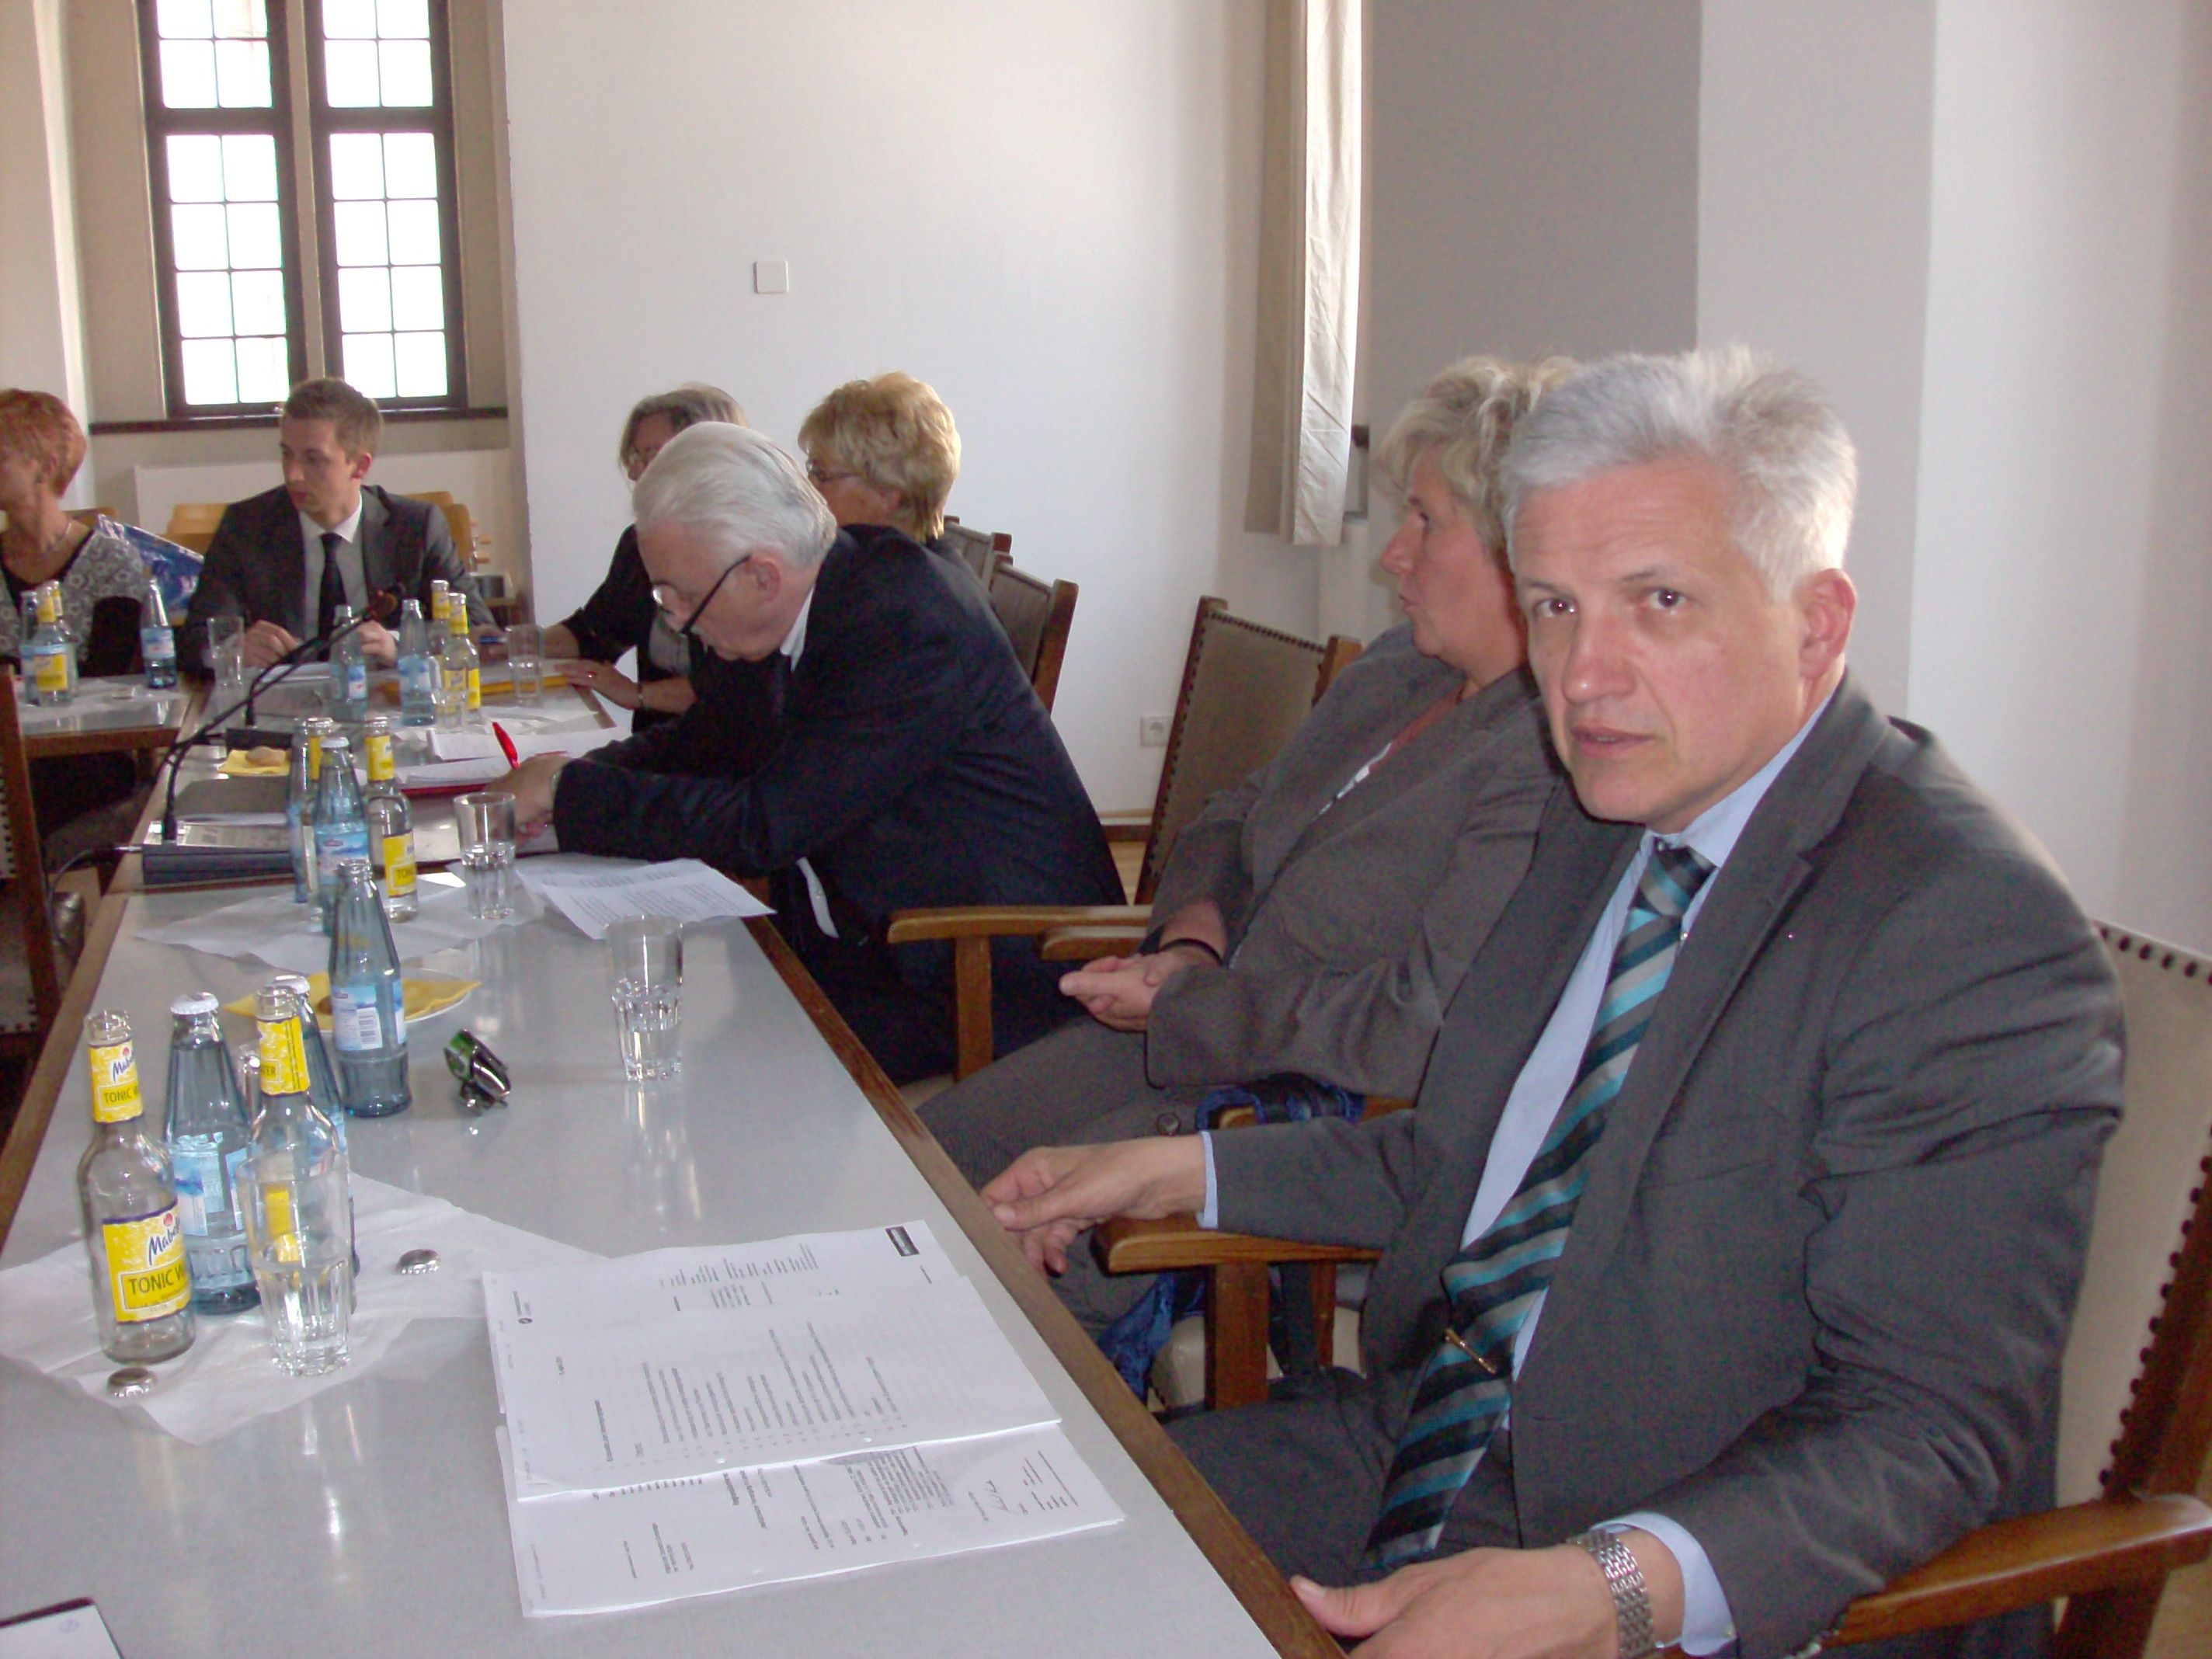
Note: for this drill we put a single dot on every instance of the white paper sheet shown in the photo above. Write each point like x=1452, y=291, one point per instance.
x=715, y=1279
x=225, y=1378
x=605, y=1552
x=530, y=737
x=271, y=928
x=686, y=1394
x=594, y=893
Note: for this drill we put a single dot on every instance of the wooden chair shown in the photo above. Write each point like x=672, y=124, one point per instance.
x=192, y=524
x=980, y=550
x=2136, y=1413
x=30, y=979
x=1036, y=616
x=459, y=520
x=1245, y=689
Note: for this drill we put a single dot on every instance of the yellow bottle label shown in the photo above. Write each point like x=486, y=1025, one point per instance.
x=115, y=1096
x=380, y=769
x=50, y=603
x=440, y=601
x=399, y=863
x=314, y=756
x=476, y=688
x=146, y=1267
x=276, y=1217
x=283, y=1059
x=50, y=670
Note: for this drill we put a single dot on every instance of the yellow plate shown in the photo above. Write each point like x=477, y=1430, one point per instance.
x=421, y=997
x=254, y=764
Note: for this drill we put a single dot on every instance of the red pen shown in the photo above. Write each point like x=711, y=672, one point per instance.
x=506, y=745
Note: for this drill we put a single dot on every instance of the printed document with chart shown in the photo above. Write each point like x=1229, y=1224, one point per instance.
x=696, y=1420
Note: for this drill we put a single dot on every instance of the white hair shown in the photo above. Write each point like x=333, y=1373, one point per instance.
x=738, y=491
x=1791, y=470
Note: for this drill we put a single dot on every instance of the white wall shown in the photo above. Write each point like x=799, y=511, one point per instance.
x=2062, y=638
x=41, y=335
x=1813, y=159
x=1048, y=212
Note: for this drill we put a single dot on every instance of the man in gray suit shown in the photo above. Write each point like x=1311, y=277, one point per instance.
x=1728, y=1258
x=286, y=559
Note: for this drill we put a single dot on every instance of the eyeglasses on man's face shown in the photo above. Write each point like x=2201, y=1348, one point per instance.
x=670, y=599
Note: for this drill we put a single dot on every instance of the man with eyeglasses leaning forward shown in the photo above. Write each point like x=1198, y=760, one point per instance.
x=883, y=752
x=1730, y=1251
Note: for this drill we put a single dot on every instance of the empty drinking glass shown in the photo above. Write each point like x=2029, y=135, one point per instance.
x=226, y=637
x=449, y=699
x=644, y=972
x=526, y=660
x=486, y=823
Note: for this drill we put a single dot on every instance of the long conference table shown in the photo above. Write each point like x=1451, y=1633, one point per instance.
x=371, y=1518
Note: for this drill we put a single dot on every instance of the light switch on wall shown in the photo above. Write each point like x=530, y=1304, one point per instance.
x=771, y=276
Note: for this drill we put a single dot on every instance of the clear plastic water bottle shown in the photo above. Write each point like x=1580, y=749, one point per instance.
x=157, y=640
x=349, y=682
x=390, y=824
x=49, y=659
x=419, y=668
x=368, y=1017
x=141, y=1287
x=341, y=826
x=322, y=1076
x=208, y=1150
x=306, y=774
x=299, y=1213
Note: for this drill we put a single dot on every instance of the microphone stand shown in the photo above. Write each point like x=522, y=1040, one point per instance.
x=379, y=605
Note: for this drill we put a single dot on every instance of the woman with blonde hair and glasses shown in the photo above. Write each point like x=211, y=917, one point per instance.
x=885, y=451
x=621, y=615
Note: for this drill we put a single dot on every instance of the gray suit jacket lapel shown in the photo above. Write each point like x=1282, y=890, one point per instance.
x=1764, y=872
x=376, y=568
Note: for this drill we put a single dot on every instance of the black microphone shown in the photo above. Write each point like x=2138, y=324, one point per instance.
x=380, y=605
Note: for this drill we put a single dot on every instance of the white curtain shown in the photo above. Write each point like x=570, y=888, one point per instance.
x=1308, y=301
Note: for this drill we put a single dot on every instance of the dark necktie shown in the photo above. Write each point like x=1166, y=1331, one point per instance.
x=1493, y=1283
x=334, y=593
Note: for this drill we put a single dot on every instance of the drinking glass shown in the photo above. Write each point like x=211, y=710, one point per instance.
x=486, y=823
x=226, y=637
x=449, y=697
x=645, y=973
x=526, y=660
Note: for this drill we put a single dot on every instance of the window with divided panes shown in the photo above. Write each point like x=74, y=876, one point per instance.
x=242, y=268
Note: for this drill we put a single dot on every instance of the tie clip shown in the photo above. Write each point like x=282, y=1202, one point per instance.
x=1489, y=1366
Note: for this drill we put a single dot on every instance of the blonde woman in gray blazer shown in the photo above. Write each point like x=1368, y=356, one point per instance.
x=1316, y=919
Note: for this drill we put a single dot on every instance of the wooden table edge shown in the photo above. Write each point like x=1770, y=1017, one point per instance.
x=1251, y=1578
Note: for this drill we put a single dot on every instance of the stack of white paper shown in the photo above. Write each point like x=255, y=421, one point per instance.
x=595, y=892
x=691, y=1421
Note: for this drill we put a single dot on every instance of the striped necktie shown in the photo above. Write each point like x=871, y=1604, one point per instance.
x=331, y=595
x=1493, y=1283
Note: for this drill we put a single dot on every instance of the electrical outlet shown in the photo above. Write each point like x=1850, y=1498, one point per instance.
x=1152, y=731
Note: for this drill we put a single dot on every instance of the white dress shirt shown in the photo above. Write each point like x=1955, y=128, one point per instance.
x=1708, y=1626
x=351, y=574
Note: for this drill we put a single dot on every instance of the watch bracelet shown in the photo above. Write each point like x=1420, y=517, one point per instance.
x=1624, y=1581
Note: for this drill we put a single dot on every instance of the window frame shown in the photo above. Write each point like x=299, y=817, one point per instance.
x=436, y=119
x=161, y=122
x=280, y=121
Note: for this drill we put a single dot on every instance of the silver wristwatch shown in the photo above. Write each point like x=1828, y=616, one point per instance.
x=1631, y=1602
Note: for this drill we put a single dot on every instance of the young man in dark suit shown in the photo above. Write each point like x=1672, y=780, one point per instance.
x=286, y=559
x=876, y=747
x=1730, y=1254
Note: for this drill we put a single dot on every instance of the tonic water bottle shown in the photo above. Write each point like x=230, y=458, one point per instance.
x=306, y=761
x=390, y=824
x=49, y=659
x=299, y=1212
x=141, y=1287
x=157, y=640
x=208, y=1149
x=460, y=659
x=369, y=1020
x=341, y=826
x=322, y=1076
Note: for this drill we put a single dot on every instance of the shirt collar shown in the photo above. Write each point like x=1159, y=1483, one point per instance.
x=794, y=642
x=1714, y=832
x=348, y=529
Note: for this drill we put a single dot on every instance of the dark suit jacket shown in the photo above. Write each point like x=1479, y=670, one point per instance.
x=256, y=562
x=1814, y=1300
x=905, y=757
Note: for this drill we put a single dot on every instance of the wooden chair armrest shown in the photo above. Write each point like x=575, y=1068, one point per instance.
x=1131, y=825
x=1151, y=1246
x=1000, y=920
x=1093, y=941
x=2037, y=1559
